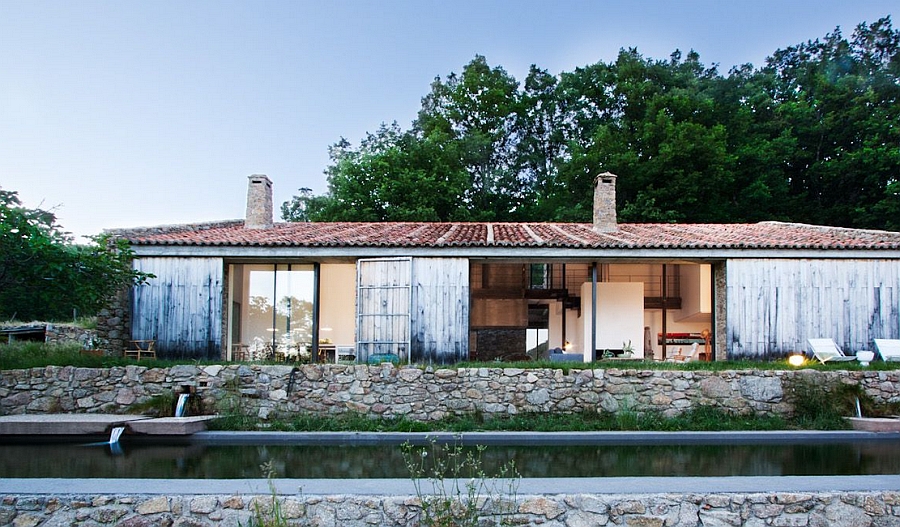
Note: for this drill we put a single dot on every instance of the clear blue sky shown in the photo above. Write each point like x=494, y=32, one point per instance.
x=126, y=113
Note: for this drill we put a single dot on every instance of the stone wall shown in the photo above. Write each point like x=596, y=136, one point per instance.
x=645, y=510
x=67, y=334
x=422, y=394
x=113, y=323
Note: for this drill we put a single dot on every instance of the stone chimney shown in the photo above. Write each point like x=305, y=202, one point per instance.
x=259, y=203
x=605, y=203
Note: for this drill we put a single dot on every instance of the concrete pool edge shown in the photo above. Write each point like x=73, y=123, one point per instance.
x=403, y=487
x=538, y=438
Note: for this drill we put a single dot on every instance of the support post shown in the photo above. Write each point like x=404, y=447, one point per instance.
x=315, y=315
x=593, y=311
x=665, y=301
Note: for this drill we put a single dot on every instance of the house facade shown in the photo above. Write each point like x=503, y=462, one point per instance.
x=447, y=292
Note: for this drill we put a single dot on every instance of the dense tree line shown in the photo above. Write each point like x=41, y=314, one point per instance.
x=813, y=136
x=45, y=276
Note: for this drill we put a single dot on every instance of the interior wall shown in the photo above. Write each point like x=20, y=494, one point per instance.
x=498, y=312
x=573, y=331
x=620, y=309
x=337, y=303
x=696, y=293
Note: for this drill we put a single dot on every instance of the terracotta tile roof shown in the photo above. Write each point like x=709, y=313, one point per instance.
x=764, y=235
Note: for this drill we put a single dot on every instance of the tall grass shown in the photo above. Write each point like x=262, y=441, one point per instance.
x=23, y=355
x=701, y=418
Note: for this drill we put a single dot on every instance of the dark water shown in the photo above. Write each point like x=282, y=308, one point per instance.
x=291, y=461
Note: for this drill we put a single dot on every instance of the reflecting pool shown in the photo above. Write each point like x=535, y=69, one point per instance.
x=145, y=459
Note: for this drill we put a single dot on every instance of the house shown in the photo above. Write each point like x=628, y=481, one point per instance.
x=446, y=292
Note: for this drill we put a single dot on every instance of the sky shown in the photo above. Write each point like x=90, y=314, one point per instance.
x=122, y=113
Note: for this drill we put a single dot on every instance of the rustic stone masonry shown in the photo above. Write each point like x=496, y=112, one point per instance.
x=113, y=323
x=421, y=394
x=853, y=509
x=69, y=334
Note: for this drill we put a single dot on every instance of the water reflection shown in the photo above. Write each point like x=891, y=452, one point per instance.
x=292, y=461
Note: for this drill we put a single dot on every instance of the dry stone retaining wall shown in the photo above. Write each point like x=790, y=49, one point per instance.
x=416, y=393
x=853, y=509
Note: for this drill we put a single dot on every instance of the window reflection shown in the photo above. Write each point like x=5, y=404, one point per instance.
x=277, y=306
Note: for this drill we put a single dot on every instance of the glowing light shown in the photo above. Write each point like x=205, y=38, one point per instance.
x=796, y=360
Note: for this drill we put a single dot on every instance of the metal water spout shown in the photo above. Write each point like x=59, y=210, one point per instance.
x=182, y=402
x=858, y=409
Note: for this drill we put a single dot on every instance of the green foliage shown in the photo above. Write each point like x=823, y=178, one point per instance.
x=268, y=513
x=453, y=489
x=699, y=418
x=812, y=136
x=159, y=405
x=44, y=276
x=22, y=355
x=822, y=407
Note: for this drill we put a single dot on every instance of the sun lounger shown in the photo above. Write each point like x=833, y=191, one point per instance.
x=827, y=351
x=680, y=356
x=889, y=349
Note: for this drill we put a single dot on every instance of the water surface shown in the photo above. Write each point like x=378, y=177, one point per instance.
x=142, y=459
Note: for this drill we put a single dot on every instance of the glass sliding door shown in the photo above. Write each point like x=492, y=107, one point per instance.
x=293, y=310
x=272, y=311
x=259, y=327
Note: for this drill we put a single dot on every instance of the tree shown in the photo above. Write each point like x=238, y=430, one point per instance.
x=813, y=136
x=44, y=276
x=392, y=176
x=839, y=102
x=474, y=114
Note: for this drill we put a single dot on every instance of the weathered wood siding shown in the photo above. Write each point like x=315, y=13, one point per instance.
x=774, y=305
x=181, y=309
x=440, y=314
x=383, y=302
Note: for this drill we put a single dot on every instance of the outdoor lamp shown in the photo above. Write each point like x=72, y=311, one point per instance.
x=796, y=360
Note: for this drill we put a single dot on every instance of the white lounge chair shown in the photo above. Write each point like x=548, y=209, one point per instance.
x=889, y=349
x=827, y=351
x=679, y=356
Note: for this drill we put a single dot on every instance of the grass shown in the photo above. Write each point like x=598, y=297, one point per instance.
x=18, y=355
x=699, y=419
x=23, y=355
x=81, y=322
x=779, y=364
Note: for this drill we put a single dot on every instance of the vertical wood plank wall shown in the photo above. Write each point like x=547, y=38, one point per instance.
x=181, y=309
x=440, y=313
x=774, y=305
x=383, y=292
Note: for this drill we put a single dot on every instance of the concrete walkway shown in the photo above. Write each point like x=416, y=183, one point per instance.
x=401, y=487
x=780, y=437
x=99, y=424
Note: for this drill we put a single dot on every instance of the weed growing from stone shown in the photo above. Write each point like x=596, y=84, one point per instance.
x=453, y=489
x=268, y=514
x=233, y=415
x=159, y=405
